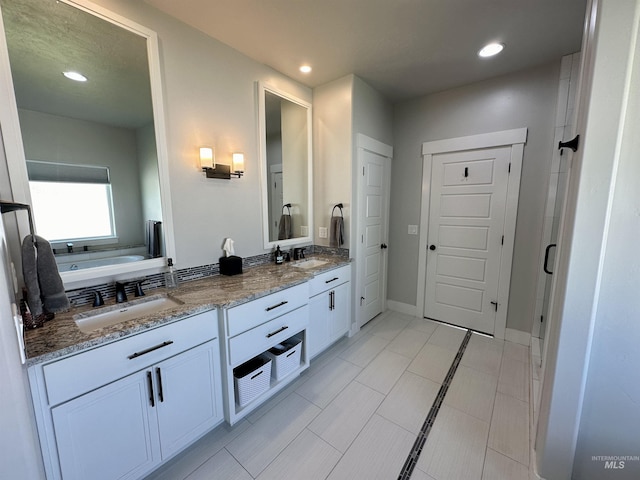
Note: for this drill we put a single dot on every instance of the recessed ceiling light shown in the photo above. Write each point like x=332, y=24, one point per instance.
x=305, y=69
x=491, y=50
x=78, y=77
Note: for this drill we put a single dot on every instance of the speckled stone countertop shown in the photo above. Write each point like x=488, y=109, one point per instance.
x=61, y=336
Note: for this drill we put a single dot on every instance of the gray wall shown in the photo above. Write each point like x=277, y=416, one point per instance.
x=51, y=138
x=524, y=99
x=372, y=113
x=332, y=140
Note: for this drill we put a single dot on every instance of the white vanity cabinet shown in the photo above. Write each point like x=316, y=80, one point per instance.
x=250, y=329
x=329, y=306
x=120, y=410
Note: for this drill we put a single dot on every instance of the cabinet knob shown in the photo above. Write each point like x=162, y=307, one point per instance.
x=432, y=247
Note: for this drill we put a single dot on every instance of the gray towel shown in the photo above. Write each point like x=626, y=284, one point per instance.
x=45, y=290
x=285, y=227
x=336, y=235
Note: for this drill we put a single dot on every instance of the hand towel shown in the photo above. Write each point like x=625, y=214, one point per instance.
x=45, y=290
x=336, y=235
x=285, y=228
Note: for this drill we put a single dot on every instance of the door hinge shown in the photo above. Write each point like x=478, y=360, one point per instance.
x=495, y=304
x=509, y=171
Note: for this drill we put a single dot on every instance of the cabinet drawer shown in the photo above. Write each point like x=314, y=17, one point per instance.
x=327, y=280
x=73, y=376
x=258, y=339
x=248, y=315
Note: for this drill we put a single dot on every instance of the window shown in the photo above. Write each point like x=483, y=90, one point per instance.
x=71, y=202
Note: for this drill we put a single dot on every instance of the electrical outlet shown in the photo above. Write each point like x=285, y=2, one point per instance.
x=413, y=229
x=304, y=231
x=322, y=232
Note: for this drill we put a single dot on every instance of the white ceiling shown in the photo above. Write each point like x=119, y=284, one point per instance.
x=403, y=48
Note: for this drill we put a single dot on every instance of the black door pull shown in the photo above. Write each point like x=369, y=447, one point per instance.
x=466, y=172
x=432, y=247
x=546, y=259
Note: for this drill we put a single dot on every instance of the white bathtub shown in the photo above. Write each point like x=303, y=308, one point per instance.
x=98, y=262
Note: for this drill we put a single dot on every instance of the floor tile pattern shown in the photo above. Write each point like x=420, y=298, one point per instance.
x=356, y=412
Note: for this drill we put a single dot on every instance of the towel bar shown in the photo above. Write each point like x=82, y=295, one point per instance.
x=339, y=206
x=6, y=207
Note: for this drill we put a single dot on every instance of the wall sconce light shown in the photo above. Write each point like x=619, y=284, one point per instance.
x=206, y=158
x=213, y=170
x=238, y=163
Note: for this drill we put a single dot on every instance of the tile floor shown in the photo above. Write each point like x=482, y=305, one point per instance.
x=354, y=414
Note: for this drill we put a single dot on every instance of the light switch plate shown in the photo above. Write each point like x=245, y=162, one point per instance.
x=413, y=229
x=322, y=232
x=304, y=231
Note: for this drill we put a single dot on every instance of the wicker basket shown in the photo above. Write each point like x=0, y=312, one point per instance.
x=285, y=357
x=251, y=379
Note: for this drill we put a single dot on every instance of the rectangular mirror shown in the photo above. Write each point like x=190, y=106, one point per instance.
x=91, y=155
x=286, y=167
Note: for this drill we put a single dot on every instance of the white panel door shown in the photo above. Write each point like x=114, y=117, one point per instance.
x=466, y=228
x=373, y=235
x=189, y=399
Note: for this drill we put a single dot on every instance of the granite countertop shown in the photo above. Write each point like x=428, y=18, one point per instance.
x=61, y=336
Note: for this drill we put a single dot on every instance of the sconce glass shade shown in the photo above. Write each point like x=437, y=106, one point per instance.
x=238, y=162
x=206, y=157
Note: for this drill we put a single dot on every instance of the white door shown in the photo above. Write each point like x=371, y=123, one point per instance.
x=276, y=194
x=466, y=228
x=107, y=434
x=373, y=236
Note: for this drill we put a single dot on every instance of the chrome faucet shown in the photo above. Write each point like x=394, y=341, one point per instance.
x=121, y=295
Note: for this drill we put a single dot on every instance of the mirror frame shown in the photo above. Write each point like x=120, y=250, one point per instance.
x=264, y=174
x=17, y=166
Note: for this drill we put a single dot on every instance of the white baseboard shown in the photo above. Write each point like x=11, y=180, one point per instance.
x=517, y=336
x=402, y=308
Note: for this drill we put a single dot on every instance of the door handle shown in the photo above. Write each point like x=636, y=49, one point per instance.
x=160, y=392
x=383, y=246
x=432, y=247
x=546, y=259
x=281, y=329
x=150, y=383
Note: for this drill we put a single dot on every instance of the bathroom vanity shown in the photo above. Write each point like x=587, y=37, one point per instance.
x=145, y=397
x=119, y=401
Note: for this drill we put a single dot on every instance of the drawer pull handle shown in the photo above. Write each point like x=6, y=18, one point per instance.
x=289, y=354
x=269, y=335
x=276, y=306
x=259, y=373
x=150, y=382
x=148, y=350
x=332, y=280
x=160, y=393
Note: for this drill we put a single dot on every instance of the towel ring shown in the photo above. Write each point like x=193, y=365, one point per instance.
x=339, y=206
x=288, y=207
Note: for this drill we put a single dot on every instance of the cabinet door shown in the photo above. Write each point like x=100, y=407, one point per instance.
x=340, y=314
x=318, y=329
x=109, y=433
x=188, y=396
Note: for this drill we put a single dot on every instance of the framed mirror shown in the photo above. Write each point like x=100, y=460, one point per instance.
x=85, y=136
x=286, y=167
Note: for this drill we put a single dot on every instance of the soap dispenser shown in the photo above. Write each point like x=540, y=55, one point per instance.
x=171, y=276
x=279, y=256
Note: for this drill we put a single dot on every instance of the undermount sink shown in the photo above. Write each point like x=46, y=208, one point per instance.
x=105, y=317
x=312, y=262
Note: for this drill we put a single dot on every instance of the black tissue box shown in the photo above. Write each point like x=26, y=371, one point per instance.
x=230, y=265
